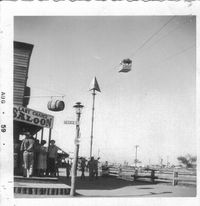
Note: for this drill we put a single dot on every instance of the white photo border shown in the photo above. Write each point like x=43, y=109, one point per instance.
x=10, y=9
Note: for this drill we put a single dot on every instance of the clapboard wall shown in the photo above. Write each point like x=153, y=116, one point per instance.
x=22, y=54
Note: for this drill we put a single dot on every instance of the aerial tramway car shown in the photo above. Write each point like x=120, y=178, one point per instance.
x=125, y=65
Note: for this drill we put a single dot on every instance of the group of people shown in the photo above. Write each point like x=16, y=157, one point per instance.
x=38, y=160
x=92, y=166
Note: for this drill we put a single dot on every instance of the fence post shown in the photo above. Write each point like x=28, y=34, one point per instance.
x=175, y=178
x=153, y=176
x=136, y=174
x=119, y=171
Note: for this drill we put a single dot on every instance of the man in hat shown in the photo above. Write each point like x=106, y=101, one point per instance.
x=27, y=147
x=52, y=158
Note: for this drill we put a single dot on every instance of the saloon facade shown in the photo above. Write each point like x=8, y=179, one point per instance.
x=24, y=118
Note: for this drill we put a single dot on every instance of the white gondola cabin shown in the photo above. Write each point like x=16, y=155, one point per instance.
x=125, y=65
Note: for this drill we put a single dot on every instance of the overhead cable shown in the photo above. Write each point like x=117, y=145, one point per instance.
x=151, y=37
x=167, y=34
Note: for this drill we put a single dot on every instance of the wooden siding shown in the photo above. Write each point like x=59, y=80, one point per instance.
x=22, y=54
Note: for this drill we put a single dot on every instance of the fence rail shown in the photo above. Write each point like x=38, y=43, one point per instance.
x=132, y=174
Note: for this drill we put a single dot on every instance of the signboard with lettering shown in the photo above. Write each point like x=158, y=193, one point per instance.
x=33, y=117
x=70, y=122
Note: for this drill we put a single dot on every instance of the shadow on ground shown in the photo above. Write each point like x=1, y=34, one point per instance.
x=103, y=183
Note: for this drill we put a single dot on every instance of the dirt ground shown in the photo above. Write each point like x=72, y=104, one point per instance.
x=113, y=187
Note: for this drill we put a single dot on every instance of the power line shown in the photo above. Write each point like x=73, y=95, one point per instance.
x=174, y=55
x=44, y=96
x=178, y=53
x=49, y=90
x=171, y=31
x=151, y=37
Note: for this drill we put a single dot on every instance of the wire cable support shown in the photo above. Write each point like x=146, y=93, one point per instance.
x=153, y=35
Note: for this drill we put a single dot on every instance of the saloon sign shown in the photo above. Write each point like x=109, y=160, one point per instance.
x=33, y=117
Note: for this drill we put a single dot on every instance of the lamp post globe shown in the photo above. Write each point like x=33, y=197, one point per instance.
x=78, y=107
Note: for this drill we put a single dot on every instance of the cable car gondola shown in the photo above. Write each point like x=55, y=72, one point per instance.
x=125, y=65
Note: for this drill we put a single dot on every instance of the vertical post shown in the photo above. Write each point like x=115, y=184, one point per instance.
x=50, y=129
x=93, y=87
x=74, y=166
x=47, y=171
x=136, y=174
x=42, y=133
x=161, y=162
x=136, y=146
x=91, y=140
x=175, y=178
x=153, y=176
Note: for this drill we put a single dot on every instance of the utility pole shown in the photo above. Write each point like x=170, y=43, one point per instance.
x=136, y=146
x=94, y=86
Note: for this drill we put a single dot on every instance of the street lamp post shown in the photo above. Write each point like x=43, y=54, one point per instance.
x=78, y=108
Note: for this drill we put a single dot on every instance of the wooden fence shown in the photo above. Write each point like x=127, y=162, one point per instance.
x=174, y=177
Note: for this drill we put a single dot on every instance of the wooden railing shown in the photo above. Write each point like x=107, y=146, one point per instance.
x=131, y=174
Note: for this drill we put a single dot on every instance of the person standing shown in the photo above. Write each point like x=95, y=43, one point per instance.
x=27, y=147
x=17, y=162
x=68, y=168
x=83, y=165
x=91, y=168
x=52, y=158
x=42, y=159
x=96, y=167
x=36, y=156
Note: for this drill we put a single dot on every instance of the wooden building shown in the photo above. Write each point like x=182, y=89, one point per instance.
x=24, y=118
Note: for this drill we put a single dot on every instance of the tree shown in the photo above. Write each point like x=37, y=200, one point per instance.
x=187, y=160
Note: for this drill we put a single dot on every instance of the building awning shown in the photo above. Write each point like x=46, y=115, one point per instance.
x=21, y=127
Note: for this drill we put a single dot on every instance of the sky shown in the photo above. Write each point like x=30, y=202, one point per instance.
x=152, y=106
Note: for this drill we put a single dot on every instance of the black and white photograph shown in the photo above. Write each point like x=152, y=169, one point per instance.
x=102, y=106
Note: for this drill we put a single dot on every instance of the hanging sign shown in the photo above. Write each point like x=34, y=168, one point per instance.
x=70, y=122
x=33, y=117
